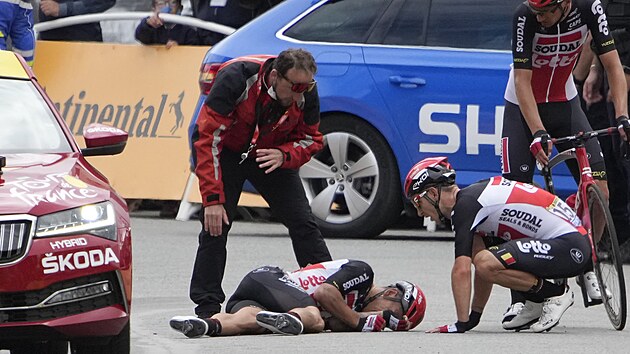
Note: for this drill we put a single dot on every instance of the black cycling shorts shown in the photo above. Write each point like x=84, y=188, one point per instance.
x=269, y=289
x=561, y=257
x=560, y=119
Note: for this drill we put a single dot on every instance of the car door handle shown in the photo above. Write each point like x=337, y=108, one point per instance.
x=407, y=82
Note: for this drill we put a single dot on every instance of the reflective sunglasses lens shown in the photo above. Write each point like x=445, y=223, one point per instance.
x=299, y=88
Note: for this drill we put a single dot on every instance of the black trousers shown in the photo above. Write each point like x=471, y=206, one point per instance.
x=283, y=191
x=602, y=115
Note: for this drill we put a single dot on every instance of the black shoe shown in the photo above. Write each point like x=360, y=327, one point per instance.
x=282, y=323
x=190, y=326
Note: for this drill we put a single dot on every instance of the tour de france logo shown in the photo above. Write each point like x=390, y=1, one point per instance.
x=143, y=117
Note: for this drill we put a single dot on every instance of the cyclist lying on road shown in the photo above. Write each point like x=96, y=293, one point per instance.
x=515, y=235
x=336, y=295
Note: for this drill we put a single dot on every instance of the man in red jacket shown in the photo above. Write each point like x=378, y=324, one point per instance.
x=259, y=123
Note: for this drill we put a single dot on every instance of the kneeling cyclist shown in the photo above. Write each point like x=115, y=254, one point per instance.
x=516, y=236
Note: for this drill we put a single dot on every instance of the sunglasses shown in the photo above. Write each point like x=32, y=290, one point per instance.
x=299, y=87
x=415, y=200
x=551, y=9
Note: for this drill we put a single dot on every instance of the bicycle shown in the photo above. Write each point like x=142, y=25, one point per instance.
x=592, y=209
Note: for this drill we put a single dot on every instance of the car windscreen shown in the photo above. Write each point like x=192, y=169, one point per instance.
x=27, y=125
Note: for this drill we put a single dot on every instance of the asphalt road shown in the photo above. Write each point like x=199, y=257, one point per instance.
x=164, y=251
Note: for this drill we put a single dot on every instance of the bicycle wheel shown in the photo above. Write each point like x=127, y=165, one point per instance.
x=608, y=266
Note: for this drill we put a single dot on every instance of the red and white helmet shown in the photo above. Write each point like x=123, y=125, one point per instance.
x=413, y=302
x=539, y=4
x=430, y=172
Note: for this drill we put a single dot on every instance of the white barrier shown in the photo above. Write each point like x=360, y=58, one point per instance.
x=112, y=16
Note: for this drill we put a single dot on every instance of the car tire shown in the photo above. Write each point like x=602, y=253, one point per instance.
x=120, y=344
x=46, y=347
x=353, y=184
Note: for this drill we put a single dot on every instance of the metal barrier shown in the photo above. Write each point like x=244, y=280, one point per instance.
x=113, y=16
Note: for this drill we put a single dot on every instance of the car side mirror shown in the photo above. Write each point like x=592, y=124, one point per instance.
x=101, y=139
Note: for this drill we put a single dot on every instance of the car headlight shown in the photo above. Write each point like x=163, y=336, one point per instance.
x=95, y=219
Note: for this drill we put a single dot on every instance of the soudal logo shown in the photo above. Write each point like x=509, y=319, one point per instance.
x=78, y=260
x=520, y=33
x=356, y=280
x=311, y=281
x=533, y=246
x=521, y=216
x=561, y=48
x=141, y=120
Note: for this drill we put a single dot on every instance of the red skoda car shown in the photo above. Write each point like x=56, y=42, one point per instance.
x=65, y=235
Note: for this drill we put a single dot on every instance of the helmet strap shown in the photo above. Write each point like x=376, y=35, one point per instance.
x=436, y=204
x=372, y=298
x=382, y=294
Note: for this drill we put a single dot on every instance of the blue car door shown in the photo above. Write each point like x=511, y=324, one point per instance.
x=446, y=100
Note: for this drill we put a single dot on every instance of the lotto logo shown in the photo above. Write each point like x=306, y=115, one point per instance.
x=533, y=245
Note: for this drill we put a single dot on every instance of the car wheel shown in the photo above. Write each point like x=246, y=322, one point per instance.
x=46, y=347
x=353, y=183
x=116, y=344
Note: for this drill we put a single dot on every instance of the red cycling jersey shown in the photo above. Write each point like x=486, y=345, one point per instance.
x=231, y=114
x=551, y=53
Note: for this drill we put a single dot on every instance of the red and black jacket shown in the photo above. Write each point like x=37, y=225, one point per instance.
x=228, y=120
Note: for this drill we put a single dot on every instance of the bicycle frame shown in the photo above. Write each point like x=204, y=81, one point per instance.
x=578, y=152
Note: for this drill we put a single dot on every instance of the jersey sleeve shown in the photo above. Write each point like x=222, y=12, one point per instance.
x=598, y=25
x=463, y=217
x=352, y=276
x=214, y=119
x=228, y=86
x=523, y=30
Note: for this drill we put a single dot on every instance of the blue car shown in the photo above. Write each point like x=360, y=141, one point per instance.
x=398, y=80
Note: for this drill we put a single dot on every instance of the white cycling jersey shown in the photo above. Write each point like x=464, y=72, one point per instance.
x=509, y=210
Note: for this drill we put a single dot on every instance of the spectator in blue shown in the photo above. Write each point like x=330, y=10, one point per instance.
x=152, y=30
x=232, y=13
x=16, y=22
x=55, y=9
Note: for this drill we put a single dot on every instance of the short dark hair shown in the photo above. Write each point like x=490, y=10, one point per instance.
x=293, y=58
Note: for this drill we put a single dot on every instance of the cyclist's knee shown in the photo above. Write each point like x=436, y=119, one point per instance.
x=486, y=264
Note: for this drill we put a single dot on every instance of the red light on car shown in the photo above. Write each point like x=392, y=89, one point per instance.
x=206, y=76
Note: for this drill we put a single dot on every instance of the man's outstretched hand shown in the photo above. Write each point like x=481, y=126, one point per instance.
x=459, y=326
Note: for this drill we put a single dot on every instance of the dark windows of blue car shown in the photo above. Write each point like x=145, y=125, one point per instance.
x=482, y=24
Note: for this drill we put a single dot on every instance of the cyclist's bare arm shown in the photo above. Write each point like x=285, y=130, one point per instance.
x=583, y=65
x=617, y=82
x=527, y=104
x=526, y=100
x=482, y=288
x=462, y=286
x=331, y=300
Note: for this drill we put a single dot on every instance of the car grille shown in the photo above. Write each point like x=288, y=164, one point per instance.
x=32, y=298
x=13, y=239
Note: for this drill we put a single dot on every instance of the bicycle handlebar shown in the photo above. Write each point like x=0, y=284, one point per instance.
x=584, y=136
